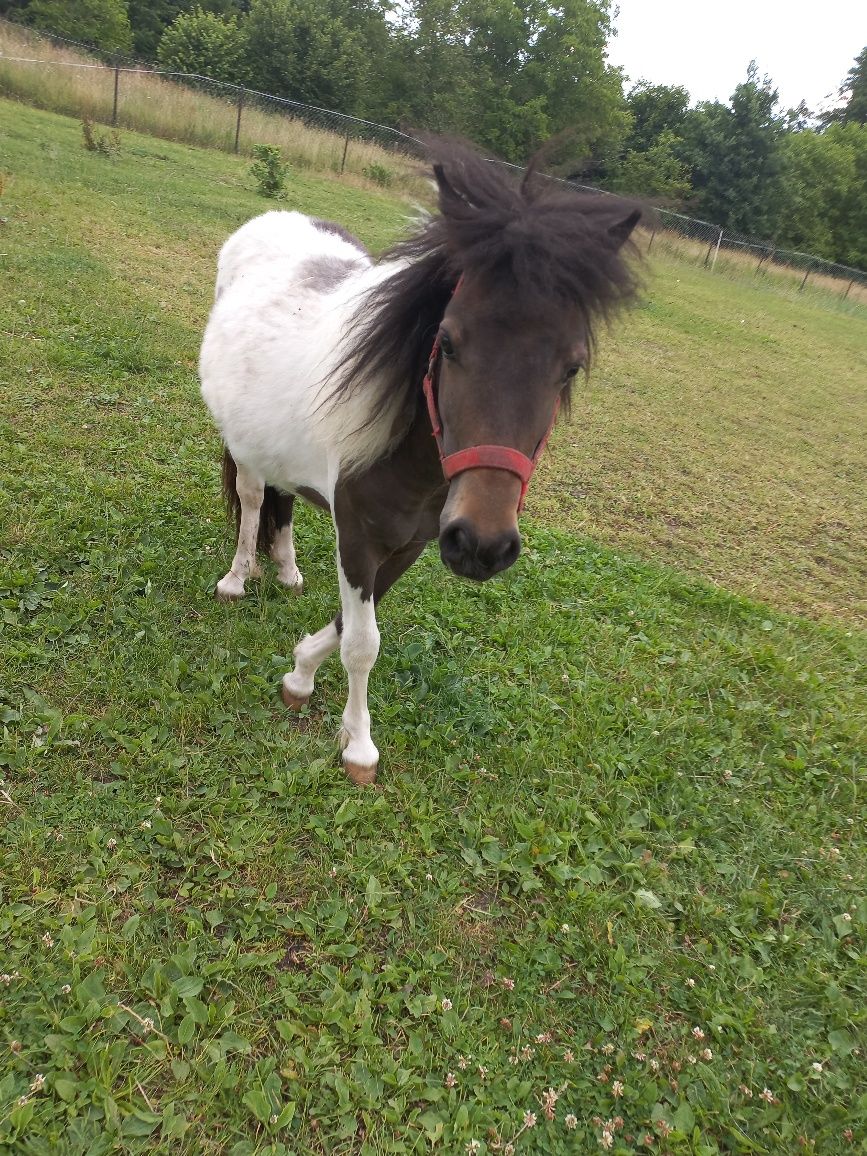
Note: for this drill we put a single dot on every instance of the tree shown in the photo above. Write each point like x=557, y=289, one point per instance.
x=855, y=88
x=735, y=151
x=512, y=73
x=150, y=18
x=202, y=43
x=102, y=23
x=853, y=93
x=652, y=172
x=655, y=109
x=825, y=211
x=305, y=50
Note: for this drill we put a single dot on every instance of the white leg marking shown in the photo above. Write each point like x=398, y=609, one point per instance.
x=283, y=553
x=310, y=653
x=359, y=647
x=251, y=491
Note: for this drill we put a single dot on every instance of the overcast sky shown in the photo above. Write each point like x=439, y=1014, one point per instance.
x=806, y=49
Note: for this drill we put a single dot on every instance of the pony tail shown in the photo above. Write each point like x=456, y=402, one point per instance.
x=230, y=490
x=272, y=517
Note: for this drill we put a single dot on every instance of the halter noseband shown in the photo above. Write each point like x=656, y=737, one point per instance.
x=476, y=457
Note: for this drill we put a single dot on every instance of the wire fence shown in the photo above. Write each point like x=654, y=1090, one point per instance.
x=66, y=76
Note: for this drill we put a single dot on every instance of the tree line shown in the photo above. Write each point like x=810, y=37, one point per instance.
x=513, y=75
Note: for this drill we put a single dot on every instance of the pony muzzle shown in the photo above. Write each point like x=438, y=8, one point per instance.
x=479, y=526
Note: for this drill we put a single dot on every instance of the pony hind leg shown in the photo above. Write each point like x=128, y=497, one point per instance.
x=282, y=545
x=245, y=491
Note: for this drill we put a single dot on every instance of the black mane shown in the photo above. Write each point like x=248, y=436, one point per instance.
x=555, y=245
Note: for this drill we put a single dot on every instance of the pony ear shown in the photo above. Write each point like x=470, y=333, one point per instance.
x=620, y=232
x=448, y=193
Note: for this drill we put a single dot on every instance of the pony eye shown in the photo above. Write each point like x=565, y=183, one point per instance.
x=448, y=350
x=570, y=372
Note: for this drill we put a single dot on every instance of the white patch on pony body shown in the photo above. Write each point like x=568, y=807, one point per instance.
x=270, y=351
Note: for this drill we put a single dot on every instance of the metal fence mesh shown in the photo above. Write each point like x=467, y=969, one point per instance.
x=66, y=76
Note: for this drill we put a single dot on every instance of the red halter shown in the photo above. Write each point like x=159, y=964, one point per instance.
x=475, y=457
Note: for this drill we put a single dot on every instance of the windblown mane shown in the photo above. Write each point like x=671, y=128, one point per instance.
x=553, y=244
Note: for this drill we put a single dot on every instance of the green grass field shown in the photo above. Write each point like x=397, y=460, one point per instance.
x=610, y=892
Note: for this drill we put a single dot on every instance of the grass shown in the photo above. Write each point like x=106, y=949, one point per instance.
x=618, y=804
x=724, y=431
x=75, y=83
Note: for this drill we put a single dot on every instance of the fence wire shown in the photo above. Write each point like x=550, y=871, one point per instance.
x=115, y=89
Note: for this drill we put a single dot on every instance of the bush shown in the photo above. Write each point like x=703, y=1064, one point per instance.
x=269, y=171
x=96, y=141
x=379, y=174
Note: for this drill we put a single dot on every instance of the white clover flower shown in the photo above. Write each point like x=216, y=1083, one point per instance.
x=446, y=1004
x=698, y=1033
x=817, y=1067
x=707, y=1054
x=529, y=1119
x=617, y=1089
x=571, y=1121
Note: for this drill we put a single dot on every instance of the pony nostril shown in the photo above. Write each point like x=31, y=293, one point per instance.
x=457, y=542
x=502, y=552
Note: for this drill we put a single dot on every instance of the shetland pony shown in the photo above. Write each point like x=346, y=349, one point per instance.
x=409, y=396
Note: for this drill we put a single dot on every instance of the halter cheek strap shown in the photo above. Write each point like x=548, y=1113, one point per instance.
x=480, y=457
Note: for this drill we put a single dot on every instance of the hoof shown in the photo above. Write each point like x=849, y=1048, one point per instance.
x=229, y=589
x=293, y=701
x=294, y=583
x=361, y=776
x=227, y=595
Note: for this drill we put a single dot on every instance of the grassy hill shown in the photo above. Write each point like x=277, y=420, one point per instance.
x=618, y=847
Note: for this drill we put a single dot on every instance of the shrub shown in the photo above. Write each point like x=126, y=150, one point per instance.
x=379, y=174
x=269, y=170
x=97, y=141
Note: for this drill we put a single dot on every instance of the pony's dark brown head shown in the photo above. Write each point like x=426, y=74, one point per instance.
x=539, y=265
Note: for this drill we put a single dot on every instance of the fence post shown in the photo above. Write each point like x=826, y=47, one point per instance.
x=114, y=109
x=238, y=120
x=848, y=287
x=345, y=147
x=716, y=251
x=806, y=275
x=650, y=242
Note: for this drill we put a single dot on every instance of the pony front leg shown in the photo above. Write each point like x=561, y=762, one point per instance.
x=359, y=647
x=309, y=654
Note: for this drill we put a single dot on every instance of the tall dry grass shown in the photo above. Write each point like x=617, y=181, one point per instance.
x=69, y=81
x=776, y=274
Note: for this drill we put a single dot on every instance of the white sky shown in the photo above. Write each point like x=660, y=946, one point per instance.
x=805, y=48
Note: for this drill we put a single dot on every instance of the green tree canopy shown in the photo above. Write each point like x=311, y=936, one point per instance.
x=655, y=109
x=200, y=42
x=306, y=51
x=103, y=23
x=736, y=154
